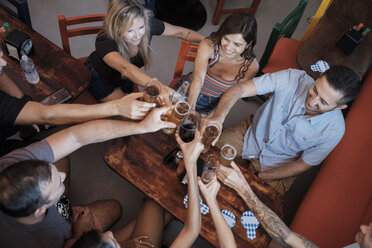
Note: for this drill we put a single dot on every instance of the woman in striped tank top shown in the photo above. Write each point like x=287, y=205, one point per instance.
x=223, y=59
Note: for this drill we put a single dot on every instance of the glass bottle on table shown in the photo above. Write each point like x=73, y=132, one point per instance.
x=180, y=94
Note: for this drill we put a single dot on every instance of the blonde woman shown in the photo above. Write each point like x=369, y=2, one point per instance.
x=123, y=47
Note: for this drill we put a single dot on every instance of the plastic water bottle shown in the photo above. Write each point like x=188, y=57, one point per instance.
x=180, y=94
x=29, y=69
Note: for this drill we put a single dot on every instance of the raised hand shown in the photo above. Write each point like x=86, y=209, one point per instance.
x=191, y=150
x=130, y=107
x=153, y=121
x=232, y=177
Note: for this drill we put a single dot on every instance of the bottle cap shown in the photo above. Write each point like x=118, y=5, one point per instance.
x=24, y=57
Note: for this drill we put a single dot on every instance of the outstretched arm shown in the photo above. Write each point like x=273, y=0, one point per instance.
x=133, y=73
x=230, y=97
x=8, y=86
x=205, y=52
x=190, y=232
x=182, y=33
x=288, y=170
x=273, y=225
x=68, y=140
x=59, y=114
x=224, y=234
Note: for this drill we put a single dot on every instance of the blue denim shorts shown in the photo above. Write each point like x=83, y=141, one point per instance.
x=204, y=104
x=100, y=89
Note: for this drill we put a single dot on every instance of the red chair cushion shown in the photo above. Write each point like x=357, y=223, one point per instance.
x=284, y=56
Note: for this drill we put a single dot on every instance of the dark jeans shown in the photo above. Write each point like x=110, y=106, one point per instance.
x=204, y=104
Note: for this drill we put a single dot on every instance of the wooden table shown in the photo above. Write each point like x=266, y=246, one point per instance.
x=338, y=19
x=139, y=159
x=56, y=68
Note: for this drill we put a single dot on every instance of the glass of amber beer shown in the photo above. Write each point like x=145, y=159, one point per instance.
x=180, y=110
x=151, y=91
x=228, y=153
x=211, y=132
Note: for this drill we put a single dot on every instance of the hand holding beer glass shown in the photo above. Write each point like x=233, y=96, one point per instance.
x=228, y=153
x=180, y=110
x=210, y=168
x=152, y=91
x=188, y=125
x=211, y=132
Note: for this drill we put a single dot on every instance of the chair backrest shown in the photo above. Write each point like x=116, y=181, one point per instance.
x=22, y=13
x=187, y=53
x=78, y=31
x=284, y=29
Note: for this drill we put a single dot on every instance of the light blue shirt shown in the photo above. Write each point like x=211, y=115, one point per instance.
x=281, y=132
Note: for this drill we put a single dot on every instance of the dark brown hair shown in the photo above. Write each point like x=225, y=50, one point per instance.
x=238, y=23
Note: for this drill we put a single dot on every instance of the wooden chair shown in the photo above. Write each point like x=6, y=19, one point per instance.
x=85, y=97
x=220, y=11
x=283, y=54
x=77, y=31
x=22, y=12
x=187, y=53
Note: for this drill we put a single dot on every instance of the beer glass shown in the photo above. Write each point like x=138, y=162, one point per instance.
x=180, y=110
x=228, y=153
x=151, y=91
x=211, y=132
x=188, y=125
x=210, y=168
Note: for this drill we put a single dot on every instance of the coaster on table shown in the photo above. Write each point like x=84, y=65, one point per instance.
x=229, y=217
x=204, y=209
x=250, y=222
x=320, y=66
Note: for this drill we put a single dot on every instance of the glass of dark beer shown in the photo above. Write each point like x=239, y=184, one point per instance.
x=188, y=125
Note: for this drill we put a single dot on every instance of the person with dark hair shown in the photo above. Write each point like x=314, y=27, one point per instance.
x=34, y=211
x=223, y=59
x=17, y=109
x=146, y=230
x=296, y=128
x=123, y=47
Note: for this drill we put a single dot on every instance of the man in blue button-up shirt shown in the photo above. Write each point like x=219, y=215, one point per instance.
x=296, y=128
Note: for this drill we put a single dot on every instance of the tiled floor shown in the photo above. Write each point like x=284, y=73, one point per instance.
x=91, y=179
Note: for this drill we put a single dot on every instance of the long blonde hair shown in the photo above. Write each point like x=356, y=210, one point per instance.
x=119, y=19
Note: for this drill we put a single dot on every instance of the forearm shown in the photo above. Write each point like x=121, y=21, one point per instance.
x=273, y=225
x=71, y=139
x=228, y=100
x=285, y=171
x=126, y=69
x=194, y=91
x=8, y=86
x=193, y=220
x=60, y=114
x=224, y=234
x=192, y=36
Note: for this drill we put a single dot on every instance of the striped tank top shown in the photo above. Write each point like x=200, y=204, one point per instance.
x=214, y=85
